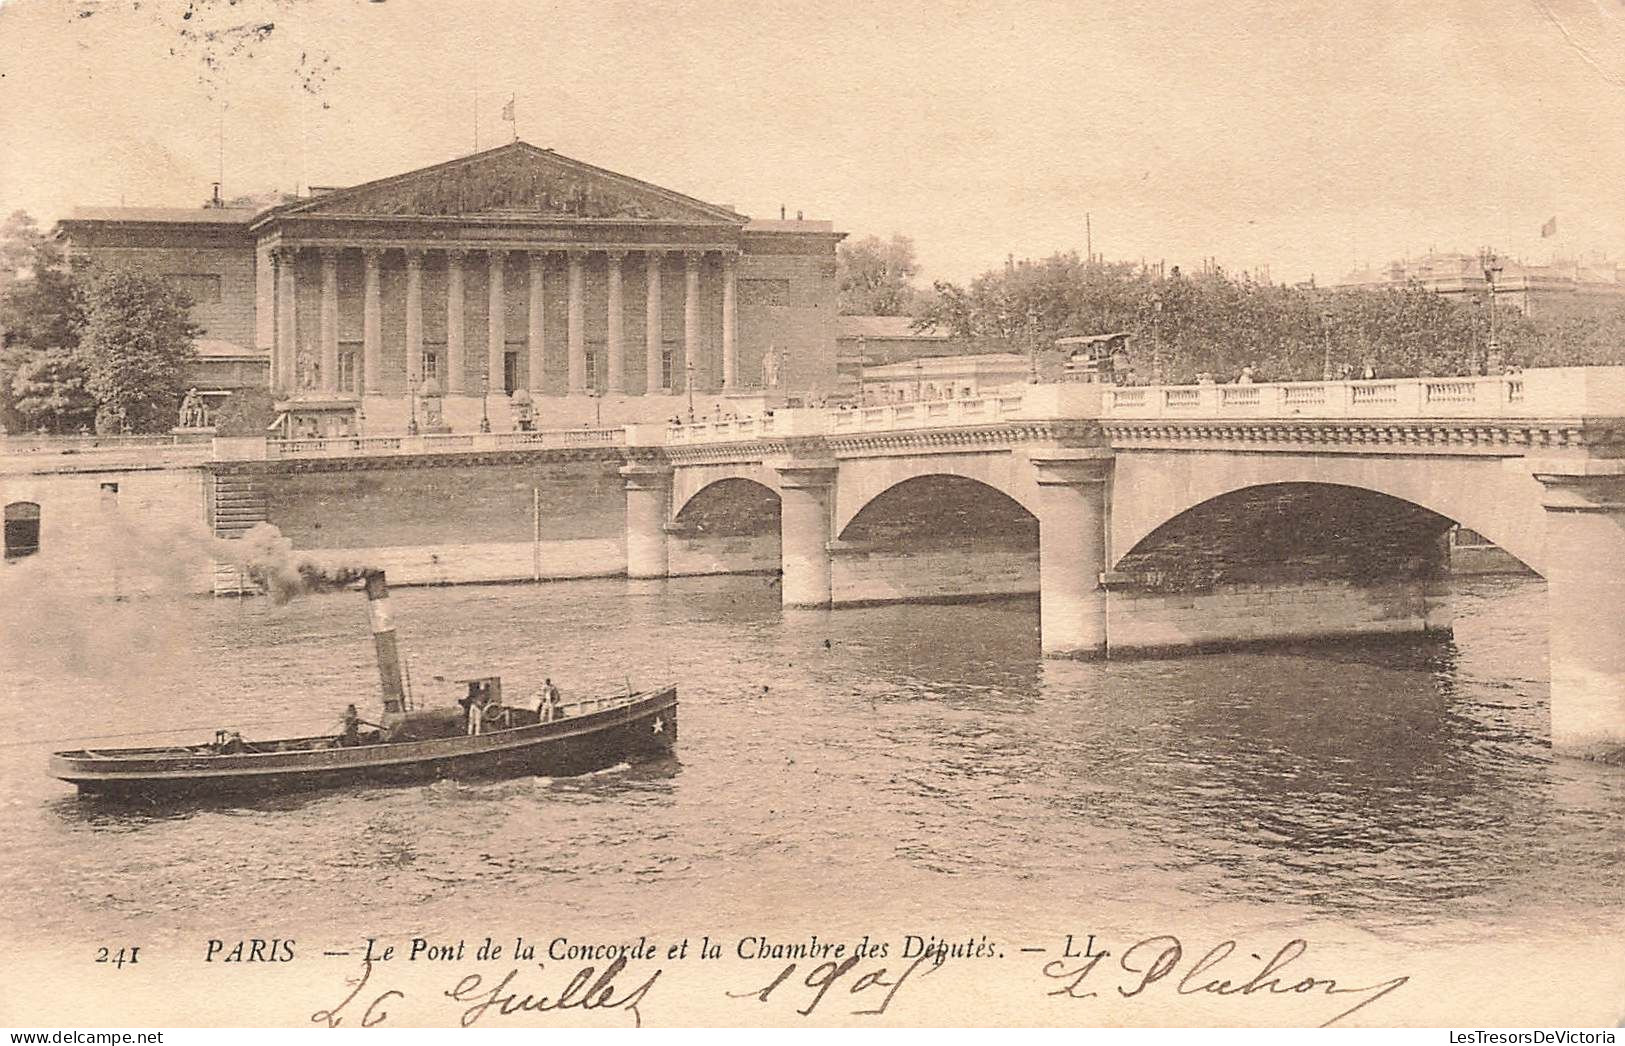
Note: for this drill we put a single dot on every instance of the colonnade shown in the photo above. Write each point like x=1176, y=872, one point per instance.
x=327, y=380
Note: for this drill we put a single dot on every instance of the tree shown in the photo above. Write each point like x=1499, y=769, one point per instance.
x=875, y=278
x=39, y=310
x=135, y=345
x=248, y=412
x=48, y=390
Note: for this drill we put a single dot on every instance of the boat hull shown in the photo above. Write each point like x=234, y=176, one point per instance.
x=642, y=728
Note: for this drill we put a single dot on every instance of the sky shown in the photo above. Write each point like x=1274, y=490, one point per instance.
x=1305, y=137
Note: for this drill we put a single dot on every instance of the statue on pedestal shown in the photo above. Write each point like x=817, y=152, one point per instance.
x=524, y=411
x=433, y=407
x=193, y=414
x=770, y=367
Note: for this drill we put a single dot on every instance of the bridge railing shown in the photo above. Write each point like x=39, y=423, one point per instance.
x=428, y=443
x=1546, y=392
x=29, y=451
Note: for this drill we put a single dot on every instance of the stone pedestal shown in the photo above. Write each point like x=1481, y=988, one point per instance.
x=1585, y=609
x=804, y=532
x=648, y=501
x=1072, y=551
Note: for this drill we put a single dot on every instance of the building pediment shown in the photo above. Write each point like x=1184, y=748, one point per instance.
x=517, y=181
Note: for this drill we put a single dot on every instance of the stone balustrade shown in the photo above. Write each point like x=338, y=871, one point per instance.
x=1544, y=393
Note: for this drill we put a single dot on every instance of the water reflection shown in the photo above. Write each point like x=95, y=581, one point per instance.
x=922, y=757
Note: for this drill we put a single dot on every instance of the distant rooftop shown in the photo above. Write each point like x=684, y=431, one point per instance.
x=210, y=215
x=787, y=225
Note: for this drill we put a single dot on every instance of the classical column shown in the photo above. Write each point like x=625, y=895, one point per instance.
x=496, y=323
x=454, y=321
x=648, y=502
x=730, y=362
x=691, y=312
x=330, y=319
x=414, y=319
x=1072, y=551
x=804, y=532
x=535, y=345
x=1585, y=610
x=287, y=320
x=575, y=319
x=613, y=349
x=372, y=315
x=653, y=336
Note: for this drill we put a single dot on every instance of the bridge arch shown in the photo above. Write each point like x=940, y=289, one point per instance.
x=941, y=506
x=863, y=482
x=691, y=482
x=729, y=506
x=1497, y=497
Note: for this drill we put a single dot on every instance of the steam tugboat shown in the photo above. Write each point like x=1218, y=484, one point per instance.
x=480, y=737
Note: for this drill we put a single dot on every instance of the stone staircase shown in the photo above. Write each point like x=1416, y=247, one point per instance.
x=236, y=504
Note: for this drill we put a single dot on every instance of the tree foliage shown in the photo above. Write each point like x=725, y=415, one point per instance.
x=876, y=277
x=39, y=314
x=248, y=412
x=1213, y=323
x=135, y=346
x=48, y=391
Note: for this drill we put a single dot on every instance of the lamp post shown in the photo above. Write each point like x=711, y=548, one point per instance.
x=863, y=361
x=1492, y=269
x=485, y=395
x=1032, y=346
x=412, y=422
x=688, y=384
x=1156, y=339
x=919, y=380
x=1326, y=373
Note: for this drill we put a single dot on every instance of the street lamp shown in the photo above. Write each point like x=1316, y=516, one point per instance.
x=1032, y=346
x=1326, y=373
x=1492, y=269
x=1156, y=339
x=485, y=395
x=863, y=361
x=688, y=383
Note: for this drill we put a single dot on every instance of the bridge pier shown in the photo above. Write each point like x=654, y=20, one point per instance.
x=1585, y=593
x=1072, y=551
x=648, y=503
x=804, y=531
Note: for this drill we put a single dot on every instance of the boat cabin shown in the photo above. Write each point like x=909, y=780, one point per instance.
x=485, y=691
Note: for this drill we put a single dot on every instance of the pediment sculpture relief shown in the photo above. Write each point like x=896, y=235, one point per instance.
x=518, y=185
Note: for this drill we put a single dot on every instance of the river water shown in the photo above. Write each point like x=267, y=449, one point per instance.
x=890, y=769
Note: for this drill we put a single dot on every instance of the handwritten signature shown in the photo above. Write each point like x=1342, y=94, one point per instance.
x=1155, y=959
x=587, y=989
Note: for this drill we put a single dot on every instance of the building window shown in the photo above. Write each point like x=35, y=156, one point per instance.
x=764, y=292
x=668, y=360
x=347, y=372
x=431, y=366
x=202, y=287
x=594, y=354
x=22, y=529
x=510, y=372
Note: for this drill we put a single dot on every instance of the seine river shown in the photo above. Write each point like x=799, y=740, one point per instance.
x=906, y=768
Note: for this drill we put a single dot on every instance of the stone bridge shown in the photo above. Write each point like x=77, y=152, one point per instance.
x=1188, y=517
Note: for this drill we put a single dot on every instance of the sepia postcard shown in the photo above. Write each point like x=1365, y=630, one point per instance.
x=601, y=514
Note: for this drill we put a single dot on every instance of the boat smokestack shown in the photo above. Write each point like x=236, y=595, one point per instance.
x=383, y=637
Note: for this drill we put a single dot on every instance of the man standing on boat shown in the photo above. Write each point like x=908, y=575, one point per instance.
x=547, y=704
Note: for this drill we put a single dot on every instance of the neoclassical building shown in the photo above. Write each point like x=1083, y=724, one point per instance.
x=605, y=298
